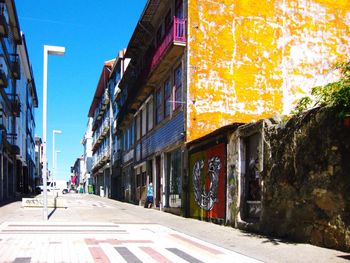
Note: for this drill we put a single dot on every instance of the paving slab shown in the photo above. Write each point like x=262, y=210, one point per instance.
x=95, y=229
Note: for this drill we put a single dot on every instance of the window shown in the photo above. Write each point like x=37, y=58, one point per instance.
x=132, y=134
x=150, y=114
x=144, y=120
x=159, y=105
x=127, y=140
x=167, y=98
x=174, y=189
x=138, y=126
x=177, y=87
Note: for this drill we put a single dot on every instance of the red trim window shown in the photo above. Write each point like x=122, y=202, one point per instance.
x=159, y=105
x=167, y=98
x=177, y=87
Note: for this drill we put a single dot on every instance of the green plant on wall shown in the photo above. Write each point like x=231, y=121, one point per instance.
x=334, y=94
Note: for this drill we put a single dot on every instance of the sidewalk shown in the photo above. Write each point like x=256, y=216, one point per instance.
x=90, y=209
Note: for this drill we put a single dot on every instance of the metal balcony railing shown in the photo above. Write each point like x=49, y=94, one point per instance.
x=12, y=144
x=15, y=105
x=3, y=79
x=105, y=126
x=15, y=66
x=176, y=34
x=3, y=24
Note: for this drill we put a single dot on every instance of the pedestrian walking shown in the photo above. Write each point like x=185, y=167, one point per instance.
x=149, y=198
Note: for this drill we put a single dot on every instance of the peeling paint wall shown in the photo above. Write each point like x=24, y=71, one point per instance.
x=249, y=59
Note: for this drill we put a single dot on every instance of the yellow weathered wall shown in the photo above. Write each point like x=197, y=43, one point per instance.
x=250, y=59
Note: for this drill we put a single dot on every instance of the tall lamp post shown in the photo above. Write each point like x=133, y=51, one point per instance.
x=56, y=159
x=53, y=152
x=48, y=50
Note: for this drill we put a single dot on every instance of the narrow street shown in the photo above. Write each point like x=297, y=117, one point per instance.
x=94, y=229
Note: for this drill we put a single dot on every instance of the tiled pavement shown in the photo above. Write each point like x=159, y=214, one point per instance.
x=108, y=242
x=95, y=229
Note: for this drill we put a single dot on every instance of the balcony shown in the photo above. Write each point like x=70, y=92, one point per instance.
x=105, y=98
x=105, y=126
x=3, y=26
x=106, y=154
x=100, y=159
x=154, y=69
x=16, y=107
x=96, y=142
x=100, y=110
x=117, y=157
x=11, y=145
x=3, y=79
x=3, y=132
x=15, y=66
x=171, y=47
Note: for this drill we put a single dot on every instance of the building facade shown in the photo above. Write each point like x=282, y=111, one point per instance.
x=151, y=106
x=117, y=181
x=77, y=171
x=196, y=66
x=86, y=177
x=17, y=102
x=101, y=113
x=38, y=161
x=26, y=122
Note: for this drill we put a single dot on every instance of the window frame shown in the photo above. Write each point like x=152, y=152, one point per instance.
x=167, y=97
x=159, y=105
x=177, y=93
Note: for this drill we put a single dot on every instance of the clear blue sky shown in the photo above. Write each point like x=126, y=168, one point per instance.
x=92, y=32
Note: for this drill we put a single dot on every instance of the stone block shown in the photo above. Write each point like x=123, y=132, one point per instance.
x=39, y=202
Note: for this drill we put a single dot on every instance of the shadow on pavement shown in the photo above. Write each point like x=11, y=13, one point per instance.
x=345, y=257
x=15, y=199
x=52, y=212
x=269, y=239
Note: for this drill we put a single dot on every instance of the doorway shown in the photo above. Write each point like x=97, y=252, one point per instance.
x=251, y=178
x=158, y=181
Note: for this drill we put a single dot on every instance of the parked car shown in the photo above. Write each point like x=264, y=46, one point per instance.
x=56, y=185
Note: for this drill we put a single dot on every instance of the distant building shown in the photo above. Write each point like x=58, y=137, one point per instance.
x=101, y=113
x=77, y=170
x=86, y=177
x=38, y=161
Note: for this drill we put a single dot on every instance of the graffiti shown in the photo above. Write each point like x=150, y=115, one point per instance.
x=34, y=202
x=206, y=199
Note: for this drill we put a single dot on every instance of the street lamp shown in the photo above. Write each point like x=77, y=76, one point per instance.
x=56, y=159
x=53, y=151
x=48, y=50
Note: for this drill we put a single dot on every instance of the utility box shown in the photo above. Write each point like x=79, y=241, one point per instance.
x=90, y=189
x=102, y=191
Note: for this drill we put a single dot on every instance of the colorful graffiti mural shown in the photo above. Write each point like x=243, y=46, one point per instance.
x=207, y=183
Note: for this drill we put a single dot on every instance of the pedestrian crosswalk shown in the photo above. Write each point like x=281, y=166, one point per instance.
x=94, y=242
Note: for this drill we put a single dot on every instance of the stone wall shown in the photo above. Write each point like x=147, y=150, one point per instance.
x=306, y=180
